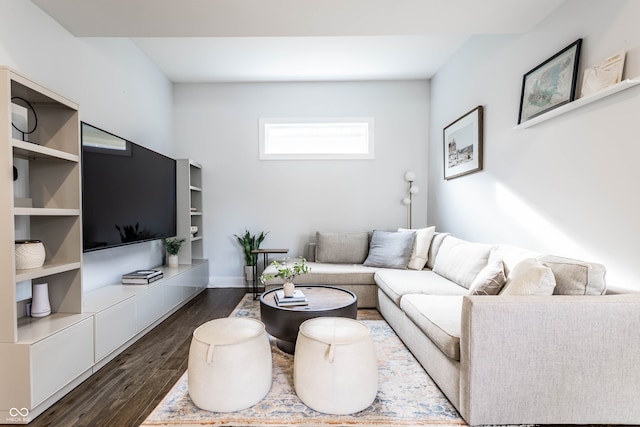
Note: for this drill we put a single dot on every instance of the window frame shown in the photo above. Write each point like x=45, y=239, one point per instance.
x=264, y=122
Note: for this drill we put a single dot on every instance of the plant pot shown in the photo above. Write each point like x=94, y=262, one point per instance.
x=288, y=288
x=172, y=260
x=248, y=273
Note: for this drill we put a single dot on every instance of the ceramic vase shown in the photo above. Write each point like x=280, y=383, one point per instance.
x=29, y=254
x=288, y=289
x=172, y=260
x=40, y=306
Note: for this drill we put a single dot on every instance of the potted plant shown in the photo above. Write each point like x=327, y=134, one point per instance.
x=287, y=272
x=172, y=245
x=250, y=242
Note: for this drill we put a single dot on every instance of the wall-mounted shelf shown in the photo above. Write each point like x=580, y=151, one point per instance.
x=580, y=102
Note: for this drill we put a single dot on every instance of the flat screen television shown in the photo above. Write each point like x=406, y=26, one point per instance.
x=128, y=192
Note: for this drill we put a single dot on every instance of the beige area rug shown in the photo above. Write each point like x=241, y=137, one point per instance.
x=406, y=394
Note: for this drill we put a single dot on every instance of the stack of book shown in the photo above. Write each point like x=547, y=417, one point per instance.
x=141, y=277
x=298, y=298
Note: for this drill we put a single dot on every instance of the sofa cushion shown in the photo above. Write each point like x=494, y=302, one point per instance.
x=510, y=255
x=530, y=277
x=575, y=277
x=330, y=274
x=342, y=248
x=461, y=261
x=396, y=283
x=420, y=253
x=436, y=242
x=490, y=280
x=439, y=317
x=390, y=249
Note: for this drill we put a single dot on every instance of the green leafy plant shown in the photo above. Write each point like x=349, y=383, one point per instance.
x=286, y=271
x=250, y=242
x=172, y=245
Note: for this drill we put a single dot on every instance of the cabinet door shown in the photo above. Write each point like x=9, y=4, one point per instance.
x=148, y=307
x=59, y=359
x=114, y=327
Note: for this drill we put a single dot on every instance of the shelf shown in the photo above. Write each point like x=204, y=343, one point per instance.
x=34, y=329
x=46, y=270
x=194, y=188
x=196, y=213
x=45, y=212
x=31, y=150
x=193, y=239
x=580, y=102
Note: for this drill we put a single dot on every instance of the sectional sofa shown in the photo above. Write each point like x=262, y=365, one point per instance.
x=509, y=335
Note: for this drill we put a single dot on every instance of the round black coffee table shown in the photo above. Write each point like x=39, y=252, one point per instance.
x=324, y=301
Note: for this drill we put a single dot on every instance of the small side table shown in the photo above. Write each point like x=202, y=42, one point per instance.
x=265, y=261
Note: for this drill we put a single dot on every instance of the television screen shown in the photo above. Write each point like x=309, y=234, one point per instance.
x=128, y=191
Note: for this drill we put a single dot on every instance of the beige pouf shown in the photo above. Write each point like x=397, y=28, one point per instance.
x=229, y=364
x=335, y=370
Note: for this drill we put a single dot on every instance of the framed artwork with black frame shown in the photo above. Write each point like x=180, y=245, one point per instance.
x=462, y=145
x=550, y=84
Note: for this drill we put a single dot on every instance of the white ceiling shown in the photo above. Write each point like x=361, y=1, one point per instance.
x=297, y=40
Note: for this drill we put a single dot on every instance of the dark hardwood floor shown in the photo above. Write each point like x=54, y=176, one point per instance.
x=128, y=388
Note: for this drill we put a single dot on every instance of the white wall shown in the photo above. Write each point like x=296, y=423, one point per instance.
x=118, y=89
x=217, y=125
x=568, y=186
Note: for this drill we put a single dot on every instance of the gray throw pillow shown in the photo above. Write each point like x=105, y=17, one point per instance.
x=390, y=249
x=342, y=247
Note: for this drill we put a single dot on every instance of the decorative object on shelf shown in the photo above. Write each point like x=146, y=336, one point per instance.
x=288, y=273
x=40, y=306
x=250, y=242
x=172, y=245
x=603, y=75
x=20, y=115
x=194, y=230
x=29, y=254
x=550, y=84
x=462, y=145
x=410, y=177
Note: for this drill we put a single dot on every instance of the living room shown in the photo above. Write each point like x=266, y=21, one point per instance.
x=564, y=186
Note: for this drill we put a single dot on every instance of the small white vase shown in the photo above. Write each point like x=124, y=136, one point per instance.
x=40, y=306
x=172, y=260
x=288, y=289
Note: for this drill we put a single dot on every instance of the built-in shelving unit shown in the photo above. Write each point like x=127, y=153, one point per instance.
x=611, y=90
x=41, y=356
x=189, y=181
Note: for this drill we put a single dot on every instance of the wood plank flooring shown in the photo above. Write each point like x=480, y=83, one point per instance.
x=126, y=390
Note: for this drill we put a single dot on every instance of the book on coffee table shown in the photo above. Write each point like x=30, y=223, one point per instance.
x=298, y=298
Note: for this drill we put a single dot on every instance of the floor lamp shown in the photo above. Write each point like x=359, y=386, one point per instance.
x=410, y=177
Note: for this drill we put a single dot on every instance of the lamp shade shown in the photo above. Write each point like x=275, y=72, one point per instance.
x=410, y=176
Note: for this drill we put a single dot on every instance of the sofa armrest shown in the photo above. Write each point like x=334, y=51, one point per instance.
x=550, y=359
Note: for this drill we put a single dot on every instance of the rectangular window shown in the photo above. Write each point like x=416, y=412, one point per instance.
x=318, y=138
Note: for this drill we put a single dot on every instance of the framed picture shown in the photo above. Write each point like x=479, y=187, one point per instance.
x=550, y=84
x=603, y=75
x=462, y=145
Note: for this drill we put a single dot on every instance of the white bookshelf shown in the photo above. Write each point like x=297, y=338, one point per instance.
x=189, y=187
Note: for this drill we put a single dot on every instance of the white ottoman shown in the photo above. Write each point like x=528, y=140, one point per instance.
x=229, y=364
x=335, y=370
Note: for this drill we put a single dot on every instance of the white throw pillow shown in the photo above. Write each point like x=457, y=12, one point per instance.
x=420, y=254
x=461, y=261
x=530, y=277
x=490, y=280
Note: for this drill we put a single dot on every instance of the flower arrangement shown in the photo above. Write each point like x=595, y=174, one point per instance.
x=286, y=271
